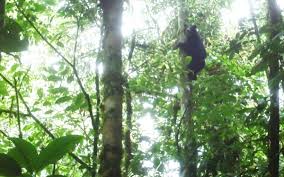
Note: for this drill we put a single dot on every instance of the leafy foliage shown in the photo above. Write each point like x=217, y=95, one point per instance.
x=8, y=166
x=230, y=110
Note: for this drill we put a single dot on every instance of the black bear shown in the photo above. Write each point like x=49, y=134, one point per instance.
x=193, y=46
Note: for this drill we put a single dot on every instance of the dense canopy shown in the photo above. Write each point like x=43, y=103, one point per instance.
x=94, y=88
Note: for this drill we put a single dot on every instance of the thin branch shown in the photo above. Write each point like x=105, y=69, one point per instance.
x=34, y=118
x=10, y=112
x=11, y=107
x=98, y=104
x=6, y=80
x=85, y=93
x=14, y=56
x=18, y=110
x=82, y=88
x=45, y=129
x=41, y=35
x=76, y=42
x=4, y=134
x=153, y=19
x=132, y=47
x=22, y=80
x=49, y=132
x=87, y=97
x=256, y=30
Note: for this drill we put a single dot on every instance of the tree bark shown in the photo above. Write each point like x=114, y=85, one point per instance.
x=2, y=12
x=128, y=143
x=274, y=19
x=112, y=89
x=188, y=156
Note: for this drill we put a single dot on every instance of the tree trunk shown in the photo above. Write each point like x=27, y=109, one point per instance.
x=274, y=18
x=2, y=17
x=112, y=89
x=129, y=113
x=189, y=150
x=2, y=13
x=128, y=144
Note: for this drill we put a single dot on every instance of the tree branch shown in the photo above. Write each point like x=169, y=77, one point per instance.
x=45, y=129
x=41, y=35
x=18, y=110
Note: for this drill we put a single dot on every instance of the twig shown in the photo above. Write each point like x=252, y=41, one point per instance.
x=12, y=112
x=11, y=107
x=76, y=42
x=18, y=110
x=6, y=80
x=83, y=90
x=98, y=104
x=4, y=134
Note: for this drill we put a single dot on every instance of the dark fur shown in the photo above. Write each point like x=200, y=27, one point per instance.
x=193, y=46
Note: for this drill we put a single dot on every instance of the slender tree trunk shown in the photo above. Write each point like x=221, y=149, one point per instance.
x=2, y=12
x=129, y=112
x=2, y=15
x=112, y=89
x=189, y=151
x=128, y=144
x=274, y=18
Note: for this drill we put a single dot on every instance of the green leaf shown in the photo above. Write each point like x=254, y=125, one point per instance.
x=49, y=112
x=26, y=175
x=25, y=153
x=2, y=68
x=56, y=176
x=63, y=99
x=39, y=7
x=61, y=90
x=70, y=79
x=260, y=66
x=9, y=166
x=60, y=44
x=57, y=149
x=77, y=103
x=80, y=99
x=3, y=88
x=53, y=78
x=14, y=67
x=50, y=2
x=40, y=93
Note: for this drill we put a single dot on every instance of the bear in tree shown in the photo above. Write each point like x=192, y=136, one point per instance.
x=193, y=46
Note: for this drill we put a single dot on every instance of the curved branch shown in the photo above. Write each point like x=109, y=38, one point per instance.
x=41, y=35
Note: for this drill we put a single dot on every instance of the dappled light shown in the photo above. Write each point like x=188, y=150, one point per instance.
x=141, y=88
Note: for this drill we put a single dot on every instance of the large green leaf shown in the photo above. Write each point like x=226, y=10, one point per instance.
x=57, y=149
x=9, y=166
x=25, y=153
x=56, y=176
